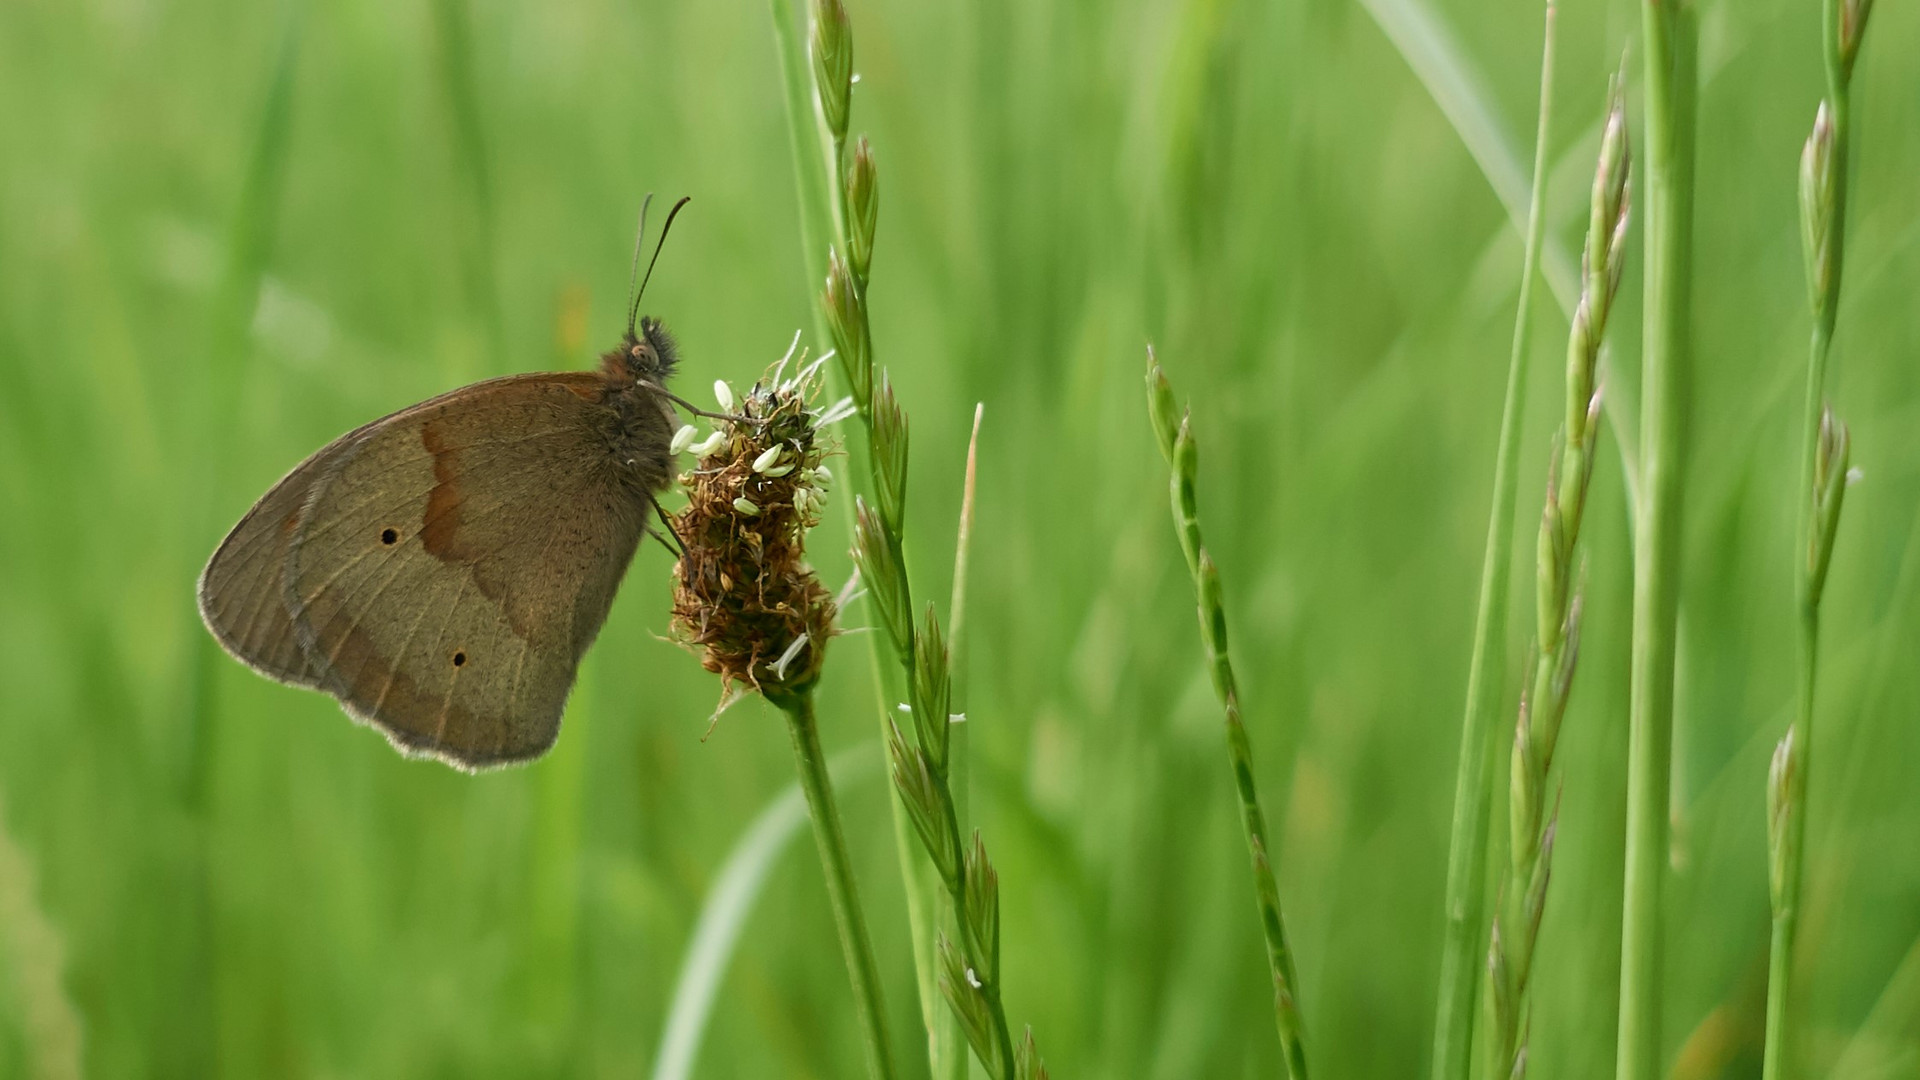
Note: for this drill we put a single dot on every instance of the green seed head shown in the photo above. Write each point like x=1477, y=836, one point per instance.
x=847, y=322
x=1816, y=211
x=831, y=43
x=863, y=207
x=1853, y=23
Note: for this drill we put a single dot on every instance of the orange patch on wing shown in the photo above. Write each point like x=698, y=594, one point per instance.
x=440, y=523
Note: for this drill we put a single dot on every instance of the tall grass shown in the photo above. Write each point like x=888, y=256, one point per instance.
x=1175, y=436
x=1668, y=31
x=1464, y=937
x=1267, y=184
x=1560, y=587
x=1823, y=485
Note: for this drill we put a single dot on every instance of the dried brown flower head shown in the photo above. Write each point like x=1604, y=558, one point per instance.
x=744, y=596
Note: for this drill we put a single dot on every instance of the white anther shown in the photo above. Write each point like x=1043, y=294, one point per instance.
x=746, y=508
x=723, y=394
x=683, y=439
x=767, y=458
x=793, y=650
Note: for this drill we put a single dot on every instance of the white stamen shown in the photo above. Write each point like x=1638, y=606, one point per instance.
x=710, y=445
x=782, y=365
x=807, y=372
x=904, y=707
x=727, y=701
x=683, y=439
x=957, y=718
x=972, y=979
x=793, y=650
x=723, y=394
x=836, y=412
x=822, y=476
x=847, y=591
x=800, y=496
x=778, y=470
x=746, y=507
x=768, y=458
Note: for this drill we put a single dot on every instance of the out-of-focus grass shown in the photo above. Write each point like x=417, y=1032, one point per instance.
x=1266, y=190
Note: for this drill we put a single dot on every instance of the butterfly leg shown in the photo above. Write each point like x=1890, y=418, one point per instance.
x=732, y=418
x=678, y=547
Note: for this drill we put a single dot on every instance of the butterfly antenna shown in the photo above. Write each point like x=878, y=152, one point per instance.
x=633, y=272
x=633, y=309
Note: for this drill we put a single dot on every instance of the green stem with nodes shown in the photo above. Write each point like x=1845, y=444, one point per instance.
x=966, y=974
x=837, y=249
x=1479, y=738
x=969, y=966
x=1823, y=482
x=1176, y=443
x=1543, y=706
x=1668, y=30
x=838, y=868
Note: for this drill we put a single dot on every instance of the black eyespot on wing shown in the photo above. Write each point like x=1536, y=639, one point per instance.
x=459, y=659
x=388, y=536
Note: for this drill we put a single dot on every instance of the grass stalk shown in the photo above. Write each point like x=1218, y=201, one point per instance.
x=948, y=1046
x=723, y=915
x=1668, y=30
x=818, y=149
x=817, y=223
x=848, y=919
x=1486, y=672
x=1176, y=442
x=965, y=974
x=1558, y=606
x=745, y=594
x=1823, y=483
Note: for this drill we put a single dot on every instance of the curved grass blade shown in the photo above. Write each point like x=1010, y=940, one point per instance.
x=724, y=914
x=1437, y=60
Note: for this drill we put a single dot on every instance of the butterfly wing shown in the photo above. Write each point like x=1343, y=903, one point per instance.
x=241, y=598
x=452, y=564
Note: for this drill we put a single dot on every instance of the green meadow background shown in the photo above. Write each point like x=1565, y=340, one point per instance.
x=229, y=232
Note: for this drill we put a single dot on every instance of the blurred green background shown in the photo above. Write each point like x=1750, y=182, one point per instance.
x=229, y=232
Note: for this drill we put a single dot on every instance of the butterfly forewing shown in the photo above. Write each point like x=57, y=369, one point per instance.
x=444, y=577
x=241, y=599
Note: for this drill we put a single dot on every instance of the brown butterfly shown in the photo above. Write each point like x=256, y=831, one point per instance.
x=442, y=570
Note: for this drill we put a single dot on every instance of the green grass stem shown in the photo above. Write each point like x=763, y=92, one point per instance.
x=1436, y=57
x=1558, y=605
x=1176, y=442
x=817, y=174
x=1670, y=46
x=1466, y=902
x=723, y=915
x=1823, y=483
x=848, y=919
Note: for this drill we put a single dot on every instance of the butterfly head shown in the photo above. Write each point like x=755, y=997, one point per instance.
x=650, y=353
